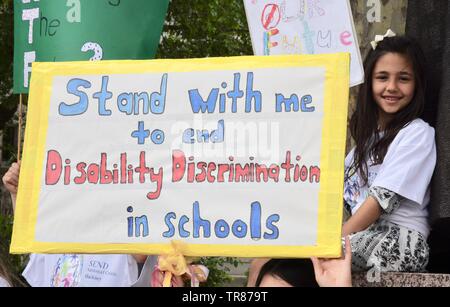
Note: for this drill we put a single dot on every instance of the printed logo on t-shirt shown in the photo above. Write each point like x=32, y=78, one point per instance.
x=67, y=272
x=96, y=271
x=354, y=192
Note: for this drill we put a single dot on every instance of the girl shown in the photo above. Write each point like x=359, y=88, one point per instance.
x=311, y=273
x=387, y=174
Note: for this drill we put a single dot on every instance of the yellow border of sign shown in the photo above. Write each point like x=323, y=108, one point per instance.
x=332, y=153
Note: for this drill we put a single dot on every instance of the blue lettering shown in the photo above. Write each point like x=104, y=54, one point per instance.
x=130, y=222
x=183, y=233
x=169, y=233
x=157, y=137
x=199, y=222
x=128, y=106
x=292, y=103
x=235, y=93
x=81, y=106
x=308, y=36
x=307, y=99
x=188, y=136
x=239, y=229
x=145, y=103
x=222, y=229
x=251, y=94
x=130, y=226
x=271, y=220
x=141, y=221
x=102, y=96
x=255, y=220
x=197, y=102
x=203, y=134
x=218, y=136
x=287, y=103
x=158, y=100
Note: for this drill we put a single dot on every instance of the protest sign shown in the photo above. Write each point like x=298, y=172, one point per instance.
x=304, y=27
x=239, y=156
x=81, y=30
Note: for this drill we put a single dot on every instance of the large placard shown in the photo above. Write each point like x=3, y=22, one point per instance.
x=239, y=156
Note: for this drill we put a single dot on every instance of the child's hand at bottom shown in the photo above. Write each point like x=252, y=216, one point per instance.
x=335, y=272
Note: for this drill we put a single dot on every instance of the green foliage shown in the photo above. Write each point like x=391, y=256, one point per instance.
x=219, y=268
x=198, y=28
x=8, y=102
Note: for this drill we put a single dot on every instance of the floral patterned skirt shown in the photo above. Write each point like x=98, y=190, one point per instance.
x=388, y=247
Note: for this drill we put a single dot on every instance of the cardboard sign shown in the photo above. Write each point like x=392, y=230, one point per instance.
x=304, y=27
x=82, y=30
x=231, y=156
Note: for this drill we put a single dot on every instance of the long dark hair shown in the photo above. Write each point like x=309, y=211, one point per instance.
x=296, y=272
x=4, y=272
x=364, y=121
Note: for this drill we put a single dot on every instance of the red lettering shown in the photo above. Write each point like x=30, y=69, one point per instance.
x=159, y=180
x=92, y=172
x=82, y=178
x=202, y=176
x=178, y=165
x=53, y=168
x=105, y=175
x=211, y=167
x=344, y=38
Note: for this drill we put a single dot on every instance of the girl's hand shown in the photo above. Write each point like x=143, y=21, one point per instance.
x=11, y=179
x=335, y=272
x=158, y=279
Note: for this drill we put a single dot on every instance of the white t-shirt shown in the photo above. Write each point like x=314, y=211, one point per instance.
x=145, y=278
x=81, y=270
x=406, y=170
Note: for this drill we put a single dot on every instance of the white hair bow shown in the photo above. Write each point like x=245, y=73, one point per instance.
x=379, y=38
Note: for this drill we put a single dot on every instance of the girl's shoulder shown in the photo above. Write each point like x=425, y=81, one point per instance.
x=419, y=123
x=417, y=130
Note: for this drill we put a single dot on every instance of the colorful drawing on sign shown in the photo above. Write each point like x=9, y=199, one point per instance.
x=270, y=18
x=228, y=155
x=304, y=26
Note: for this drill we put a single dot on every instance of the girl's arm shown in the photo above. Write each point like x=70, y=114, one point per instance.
x=11, y=181
x=365, y=216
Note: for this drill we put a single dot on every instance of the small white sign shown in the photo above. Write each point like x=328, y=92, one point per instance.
x=304, y=27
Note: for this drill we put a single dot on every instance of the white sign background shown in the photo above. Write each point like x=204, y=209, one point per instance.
x=98, y=213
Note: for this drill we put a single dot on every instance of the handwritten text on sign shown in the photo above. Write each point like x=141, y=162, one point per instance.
x=224, y=156
x=304, y=27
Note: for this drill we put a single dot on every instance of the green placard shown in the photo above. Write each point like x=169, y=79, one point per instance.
x=82, y=30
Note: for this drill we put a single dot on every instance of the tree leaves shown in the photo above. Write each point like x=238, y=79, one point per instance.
x=198, y=28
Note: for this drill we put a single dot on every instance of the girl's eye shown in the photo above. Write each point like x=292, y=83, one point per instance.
x=405, y=79
x=381, y=78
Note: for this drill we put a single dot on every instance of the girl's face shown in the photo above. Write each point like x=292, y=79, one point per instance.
x=393, y=85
